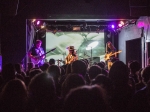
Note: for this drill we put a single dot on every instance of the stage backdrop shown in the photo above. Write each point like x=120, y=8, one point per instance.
x=80, y=40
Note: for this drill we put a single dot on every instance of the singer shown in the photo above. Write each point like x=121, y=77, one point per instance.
x=72, y=56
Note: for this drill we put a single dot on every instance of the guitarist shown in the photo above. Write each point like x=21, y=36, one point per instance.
x=110, y=49
x=72, y=56
x=35, y=54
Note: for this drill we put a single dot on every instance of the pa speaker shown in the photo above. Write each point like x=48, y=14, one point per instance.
x=96, y=59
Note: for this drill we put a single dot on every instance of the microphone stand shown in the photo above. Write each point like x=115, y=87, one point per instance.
x=91, y=57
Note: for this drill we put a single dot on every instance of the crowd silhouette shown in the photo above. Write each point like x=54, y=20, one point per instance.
x=75, y=87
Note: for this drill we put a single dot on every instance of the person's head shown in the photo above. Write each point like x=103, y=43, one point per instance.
x=73, y=80
x=54, y=71
x=38, y=43
x=94, y=71
x=71, y=49
x=34, y=72
x=104, y=82
x=14, y=88
x=110, y=45
x=44, y=67
x=30, y=65
x=42, y=92
x=119, y=73
x=13, y=96
x=52, y=61
x=134, y=66
x=100, y=64
x=79, y=66
x=146, y=74
x=18, y=67
x=86, y=99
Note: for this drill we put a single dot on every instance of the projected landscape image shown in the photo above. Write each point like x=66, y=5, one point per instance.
x=80, y=41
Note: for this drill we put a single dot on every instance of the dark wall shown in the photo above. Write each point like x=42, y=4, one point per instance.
x=134, y=53
x=13, y=24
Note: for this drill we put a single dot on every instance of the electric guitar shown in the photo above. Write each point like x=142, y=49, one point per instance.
x=37, y=59
x=107, y=56
x=70, y=59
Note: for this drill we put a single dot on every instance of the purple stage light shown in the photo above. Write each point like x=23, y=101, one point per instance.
x=38, y=22
x=120, y=25
x=113, y=26
x=140, y=24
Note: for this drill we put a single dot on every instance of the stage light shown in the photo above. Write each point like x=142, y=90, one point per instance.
x=92, y=45
x=33, y=20
x=140, y=24
x=112, y=26
x=38, y=22
x=121, y=22
x=42, y=26
x=120, y=25
x=76, y=28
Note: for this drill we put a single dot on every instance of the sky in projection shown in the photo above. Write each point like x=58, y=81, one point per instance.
x=80, y=41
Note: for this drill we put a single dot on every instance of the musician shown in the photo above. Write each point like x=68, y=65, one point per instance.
x=36, y=54
x=110, y=54
x=72, y=56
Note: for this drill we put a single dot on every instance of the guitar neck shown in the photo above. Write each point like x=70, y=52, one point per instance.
x=48, y=52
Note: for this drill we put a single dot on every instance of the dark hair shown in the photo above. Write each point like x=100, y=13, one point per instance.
x=42, y=92
x=73, y=80
x=52, y=61
x=94, y=71
x=38, y=41
x=86, y=99
x=119, y=73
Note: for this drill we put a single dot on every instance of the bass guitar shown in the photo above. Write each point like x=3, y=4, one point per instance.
x=37, y=59
x=107, y=56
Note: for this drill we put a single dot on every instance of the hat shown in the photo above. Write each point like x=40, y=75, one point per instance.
x=70, y=48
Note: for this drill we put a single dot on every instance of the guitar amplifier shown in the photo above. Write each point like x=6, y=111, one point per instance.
x=96, y=59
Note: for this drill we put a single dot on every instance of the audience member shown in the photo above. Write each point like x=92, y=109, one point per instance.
x=73, y=80
x=86, y=99
x=13, y=97
x=42, y=94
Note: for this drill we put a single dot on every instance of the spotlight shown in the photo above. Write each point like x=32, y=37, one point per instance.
x=140, y=24
x=92, y=45
x=42, y=26
x=33, y=20
x=112, y=26
x=121, y=22
x=120, y=25
x=38, y=22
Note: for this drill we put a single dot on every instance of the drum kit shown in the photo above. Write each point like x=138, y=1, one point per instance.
x=60, y=62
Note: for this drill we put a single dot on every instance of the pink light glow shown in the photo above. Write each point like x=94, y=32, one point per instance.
x=120, y=25
x=112, y=26
x=121, y=22
x=38, y=22
x=140, y=24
